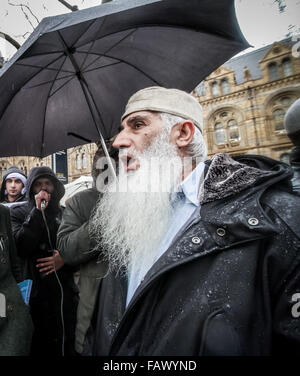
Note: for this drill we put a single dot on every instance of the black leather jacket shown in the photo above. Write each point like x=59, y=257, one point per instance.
x=230, y=293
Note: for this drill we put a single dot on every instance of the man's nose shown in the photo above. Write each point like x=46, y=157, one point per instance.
x=122, y=140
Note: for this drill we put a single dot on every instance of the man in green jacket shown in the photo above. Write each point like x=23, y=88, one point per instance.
x=75, y=245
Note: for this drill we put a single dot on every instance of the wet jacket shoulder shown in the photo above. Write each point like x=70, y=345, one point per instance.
x=74, y=241
x=15, y=323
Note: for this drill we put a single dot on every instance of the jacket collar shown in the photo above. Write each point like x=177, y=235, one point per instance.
x=226, y=177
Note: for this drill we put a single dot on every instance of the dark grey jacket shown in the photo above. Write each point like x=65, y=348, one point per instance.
x=75, y=247
x=225, y=287
x=16, y=327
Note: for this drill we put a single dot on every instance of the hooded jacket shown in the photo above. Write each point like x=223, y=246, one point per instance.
x=29, y=228
x=10, y=170
x=32, y=242
x=226, y=286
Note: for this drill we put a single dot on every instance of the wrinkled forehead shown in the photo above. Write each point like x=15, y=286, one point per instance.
x=140, y=115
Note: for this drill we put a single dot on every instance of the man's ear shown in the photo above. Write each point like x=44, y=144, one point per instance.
x=182, y=133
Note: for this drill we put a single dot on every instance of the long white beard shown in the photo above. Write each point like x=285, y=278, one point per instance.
x=129, y=224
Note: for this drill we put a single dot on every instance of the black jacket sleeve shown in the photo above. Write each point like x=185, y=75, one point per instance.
x=27, y=229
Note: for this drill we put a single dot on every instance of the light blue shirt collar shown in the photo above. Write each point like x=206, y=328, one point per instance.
x=190, y=185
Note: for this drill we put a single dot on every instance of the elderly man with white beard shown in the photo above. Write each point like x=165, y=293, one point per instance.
x=203, y=254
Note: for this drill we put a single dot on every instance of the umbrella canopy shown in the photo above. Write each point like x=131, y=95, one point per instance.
x=75, y=73
x=78, y=185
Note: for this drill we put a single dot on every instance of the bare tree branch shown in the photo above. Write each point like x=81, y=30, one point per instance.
x=73, y=8
x=23, y=7
x=281, y=5
x=27, y=7
x=10, y=40
x=22, y=35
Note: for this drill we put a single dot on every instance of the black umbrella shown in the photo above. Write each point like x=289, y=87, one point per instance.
x=69, y=83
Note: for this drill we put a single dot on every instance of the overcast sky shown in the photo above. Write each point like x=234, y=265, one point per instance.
x=260, y=20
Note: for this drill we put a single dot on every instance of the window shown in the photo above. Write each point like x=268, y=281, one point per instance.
x=225, y=86
x=226, y=128
x=215, y=89
x=279, y=117
x=3, y=169
x=84, y=161
x=23, y=168
x=220, y=134
x=273, y=72
x=285, y=101
x=233, y=129
x=200, y=89
x=78, y=162
x=278, y=108
x=287, y=67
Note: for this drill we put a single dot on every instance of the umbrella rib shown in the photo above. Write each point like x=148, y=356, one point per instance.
x=48, y=96
x=64, y=84
x=45, y=68
x=99, y=29
x=110, y=48
x=84, y=87
x=130, y=64
x=48, y=82
x=27, y=82
x=103, y=66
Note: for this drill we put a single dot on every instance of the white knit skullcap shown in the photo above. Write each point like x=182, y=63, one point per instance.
x=171, y=101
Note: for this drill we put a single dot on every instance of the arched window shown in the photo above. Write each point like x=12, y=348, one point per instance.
x=227, y=130
x=273, y=71
x=215, y=89
x=78, y=162
x=220, y=134
x=233, y=130
x=287, y=67
x=225, y=86
x=278, y=118
x=84, y=161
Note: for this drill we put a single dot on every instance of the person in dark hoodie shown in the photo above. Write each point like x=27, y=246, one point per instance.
x=13, y=186
x=203, y=255
x=53, y=284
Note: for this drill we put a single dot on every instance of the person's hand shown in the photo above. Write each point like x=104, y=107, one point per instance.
x=42, y=195
x=49, y=264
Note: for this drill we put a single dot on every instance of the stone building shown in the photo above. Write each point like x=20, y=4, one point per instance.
x=244, y=102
